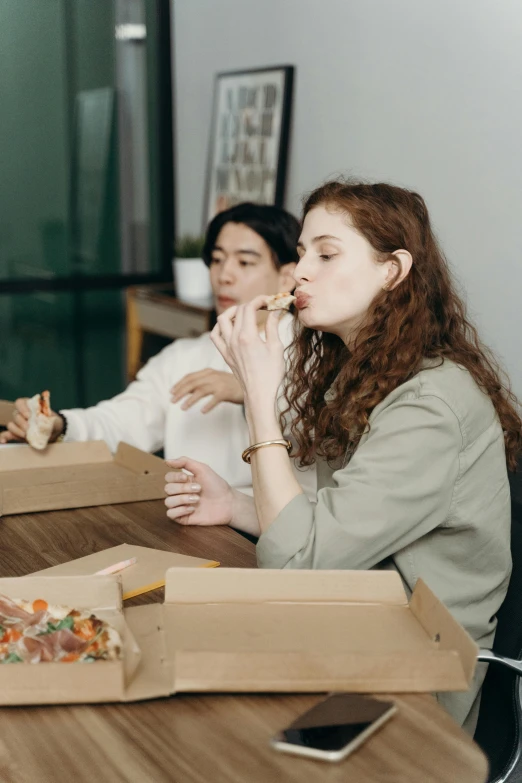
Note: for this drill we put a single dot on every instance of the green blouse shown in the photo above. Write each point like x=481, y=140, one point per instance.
x=426, y=493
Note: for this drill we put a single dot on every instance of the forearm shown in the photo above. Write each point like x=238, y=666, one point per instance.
x=127, y=417
x=244, y=516
x=273, y=479
x=137, y=415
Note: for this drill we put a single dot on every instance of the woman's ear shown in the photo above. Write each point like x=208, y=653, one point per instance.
x=286, y=277
x=399, y=265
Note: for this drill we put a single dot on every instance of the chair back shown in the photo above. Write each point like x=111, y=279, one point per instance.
x=499, y=725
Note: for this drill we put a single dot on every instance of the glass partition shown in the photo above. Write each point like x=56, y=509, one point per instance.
x=85, y=187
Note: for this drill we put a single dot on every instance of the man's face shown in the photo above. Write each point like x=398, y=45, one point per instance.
x=242, y=268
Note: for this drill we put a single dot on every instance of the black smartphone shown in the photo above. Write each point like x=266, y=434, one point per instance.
x=335, y=727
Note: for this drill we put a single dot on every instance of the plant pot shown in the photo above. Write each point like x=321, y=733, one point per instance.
x=191, y=280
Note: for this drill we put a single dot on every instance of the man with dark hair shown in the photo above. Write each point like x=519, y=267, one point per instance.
x=279, y=229
x=250, y=249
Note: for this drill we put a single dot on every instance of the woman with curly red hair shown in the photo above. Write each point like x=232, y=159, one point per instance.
x=394, y=396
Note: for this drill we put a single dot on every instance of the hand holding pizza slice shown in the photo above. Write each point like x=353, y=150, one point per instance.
x=33, y=422
x=41, y=421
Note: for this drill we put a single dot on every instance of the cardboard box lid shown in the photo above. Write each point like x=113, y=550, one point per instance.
x=148, y=573
x=55, y=683
x=101, y=592
x=74, y=475
x=260, y=585
x=91, y=452
x=241, y=630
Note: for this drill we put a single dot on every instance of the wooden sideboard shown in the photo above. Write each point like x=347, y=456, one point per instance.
x=155, y=309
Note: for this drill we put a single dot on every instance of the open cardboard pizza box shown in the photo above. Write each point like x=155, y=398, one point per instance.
x=241, y=630
x=62, y=683
x=73, y=475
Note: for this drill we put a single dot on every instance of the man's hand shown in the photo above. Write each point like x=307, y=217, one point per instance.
x=17, y=427
x=219, y=386
x=201, y=498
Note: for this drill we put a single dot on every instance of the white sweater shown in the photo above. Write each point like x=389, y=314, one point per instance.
x=144, y=416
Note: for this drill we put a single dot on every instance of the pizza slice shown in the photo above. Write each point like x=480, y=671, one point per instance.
x=38, y=632
x=280, y=301
x=41, y=421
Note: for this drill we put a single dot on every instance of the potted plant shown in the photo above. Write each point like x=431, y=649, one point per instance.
x=191, y=277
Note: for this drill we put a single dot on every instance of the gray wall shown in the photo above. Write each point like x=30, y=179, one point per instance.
x=423, y=94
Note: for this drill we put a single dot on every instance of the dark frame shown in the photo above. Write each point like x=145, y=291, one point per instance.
x=287, y=72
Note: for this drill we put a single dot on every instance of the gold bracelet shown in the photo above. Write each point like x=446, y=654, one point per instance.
x=280, y=442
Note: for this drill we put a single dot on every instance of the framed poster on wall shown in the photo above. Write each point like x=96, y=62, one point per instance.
x=249, y=138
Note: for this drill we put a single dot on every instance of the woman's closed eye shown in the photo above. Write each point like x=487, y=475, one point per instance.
x=326, y=257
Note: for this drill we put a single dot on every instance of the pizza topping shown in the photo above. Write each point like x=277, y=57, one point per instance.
x=45, y=403
x=49, y=647
x=37, y=633
x=10, y=612
x=67, y=622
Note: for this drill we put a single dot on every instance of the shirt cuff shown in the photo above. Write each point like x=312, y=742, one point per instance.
x=74, y=429
x=287, y=535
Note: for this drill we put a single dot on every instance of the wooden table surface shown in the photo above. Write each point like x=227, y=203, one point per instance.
x=195, y=738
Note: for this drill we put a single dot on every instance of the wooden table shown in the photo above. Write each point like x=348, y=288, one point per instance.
x=195, y=738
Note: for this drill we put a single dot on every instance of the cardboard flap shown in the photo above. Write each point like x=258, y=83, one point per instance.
x=374, y=672
x=6, y=412
x=148, y=573
x=249, y=585
x=154, y=675
x=138, y=461
x=131, y=651
x=79, y=592
x=54, y=456
x=441, y=626
x=61, y=683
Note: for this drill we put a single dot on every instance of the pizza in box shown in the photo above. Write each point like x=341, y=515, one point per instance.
x=38, y=632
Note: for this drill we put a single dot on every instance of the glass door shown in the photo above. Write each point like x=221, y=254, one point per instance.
x=85, y=131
